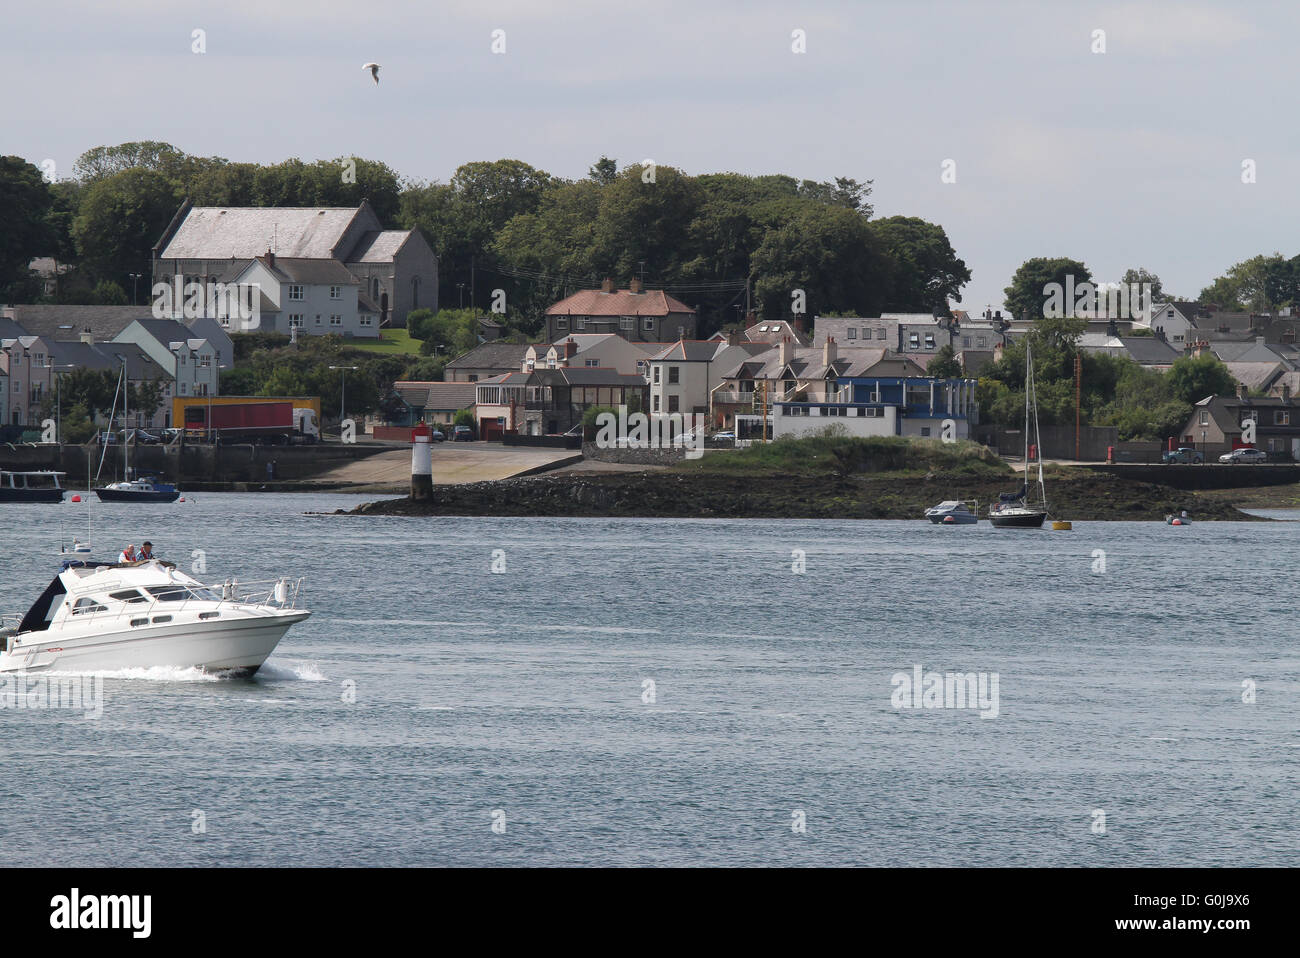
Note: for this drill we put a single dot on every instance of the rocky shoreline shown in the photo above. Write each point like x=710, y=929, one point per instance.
x=1085, y=497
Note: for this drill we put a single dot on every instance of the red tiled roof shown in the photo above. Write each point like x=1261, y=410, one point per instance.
x=622, y=302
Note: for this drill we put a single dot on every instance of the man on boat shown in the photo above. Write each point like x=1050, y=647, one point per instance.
x=146, y=551
x=128, y=554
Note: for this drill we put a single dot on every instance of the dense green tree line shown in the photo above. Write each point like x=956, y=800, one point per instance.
x=505, y=225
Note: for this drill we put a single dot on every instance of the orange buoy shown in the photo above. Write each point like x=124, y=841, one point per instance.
x=76, y=498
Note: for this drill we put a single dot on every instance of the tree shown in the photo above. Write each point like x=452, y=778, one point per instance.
x=1025, y=297
x=1257, y=284
x=944, y=364
x=1140, y=277
x=926, y=272
x=108, y=293
x=121, y=217
x=104, y=161
x=25, y=199
x=1193, y=378
x=463, y=417
x=603, y=171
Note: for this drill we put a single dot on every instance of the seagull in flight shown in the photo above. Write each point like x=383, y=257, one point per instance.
x=374, y=71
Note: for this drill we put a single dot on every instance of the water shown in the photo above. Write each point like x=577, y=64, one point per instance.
x=522, y=693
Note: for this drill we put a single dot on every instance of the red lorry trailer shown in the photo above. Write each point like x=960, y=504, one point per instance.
x=262, y=421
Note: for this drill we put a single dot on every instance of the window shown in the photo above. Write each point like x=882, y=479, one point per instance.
x=473, y=378
x=871, y=412
x=674, y=376
x=832, y=411
x=185, y=389
x=914, y=340
x=654, y=403
x=640, y=367
x=336, y=292
x=183, y=360
x=296, y=321
x=929, y=340
x=880, y=332
x=204, y=361
x=1205, y=417
x=925, y=430
x=561, y=322
x=40, y=359
x=672, y=404
x=86, y=606
x=1281, y=418
x=128, y=595
x=580, y=322
x=965, y=342
x=981, y=342
x=296, y=292
x=853, y=332
x=367, y=320
x=317, y=319
x=592, y=362
x=655, y=380
x=627, y=322
x=336, y=320
x=648, y=324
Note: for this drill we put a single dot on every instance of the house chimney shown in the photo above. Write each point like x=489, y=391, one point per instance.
x=1241, y=391
x=570, y=348
x=1286, y=392
x=87, y=336
x=828, y=351
x=607, y=286
x=799, y=325
x=786, y=351
x=634, y=285
x=733, y=338
x=751, y=319
x=270, y=259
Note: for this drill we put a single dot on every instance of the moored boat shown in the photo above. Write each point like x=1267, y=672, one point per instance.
x=144, y=489
x=30, y=486
x=1016, y=510
x=953, y=512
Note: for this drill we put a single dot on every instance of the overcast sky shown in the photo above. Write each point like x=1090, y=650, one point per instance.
x=1132, y=157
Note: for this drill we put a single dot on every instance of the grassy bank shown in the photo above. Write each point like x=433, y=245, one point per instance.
x=846, y=456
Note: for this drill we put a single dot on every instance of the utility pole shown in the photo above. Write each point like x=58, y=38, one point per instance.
x=1078, y=378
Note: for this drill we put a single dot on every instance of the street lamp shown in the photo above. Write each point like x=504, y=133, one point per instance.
x=135, y=278
x=208, y=387
x=58, y=401
x=461, y=287
x=343, y=391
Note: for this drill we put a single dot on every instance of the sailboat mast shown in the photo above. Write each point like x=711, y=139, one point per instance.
x=1038, y=438
x=126, y=445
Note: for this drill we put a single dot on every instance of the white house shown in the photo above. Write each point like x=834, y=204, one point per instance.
x=191, y=362
x=314, y=296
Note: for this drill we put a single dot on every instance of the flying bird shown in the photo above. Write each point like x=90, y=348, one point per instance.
x=374, y=71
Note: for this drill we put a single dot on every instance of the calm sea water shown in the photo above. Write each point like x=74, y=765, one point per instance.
x=524, y=694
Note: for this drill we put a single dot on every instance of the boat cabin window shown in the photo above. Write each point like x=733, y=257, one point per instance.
x=129, y=595
x=169, y=593
x=85, y=606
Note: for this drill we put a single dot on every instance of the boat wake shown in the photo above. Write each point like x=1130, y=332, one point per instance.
x=290, y=672
x=157, y=673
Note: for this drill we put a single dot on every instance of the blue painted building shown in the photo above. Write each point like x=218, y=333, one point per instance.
x=881, y=406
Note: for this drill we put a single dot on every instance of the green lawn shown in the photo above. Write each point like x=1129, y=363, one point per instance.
x=392, y=342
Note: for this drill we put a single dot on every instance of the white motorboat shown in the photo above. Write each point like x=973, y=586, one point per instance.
x=953, y=512
x=110, y=616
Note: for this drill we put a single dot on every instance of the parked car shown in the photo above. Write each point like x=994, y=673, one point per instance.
x=725, y=436
x=148, y=438
x=462, y=434
x=1184, y=454
x=438, y=436
x=1244, y=455
x=108, y=438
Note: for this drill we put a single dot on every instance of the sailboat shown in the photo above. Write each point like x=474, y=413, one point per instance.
x=1016, y=510
x=141, y=489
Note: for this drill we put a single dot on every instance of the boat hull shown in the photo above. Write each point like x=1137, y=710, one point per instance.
x=234, y=646
x=954, y=519
x=121, y=495
x=1018, y=520
x=31, y=495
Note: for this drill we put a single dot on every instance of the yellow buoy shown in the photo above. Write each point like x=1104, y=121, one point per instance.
x=1061, y=525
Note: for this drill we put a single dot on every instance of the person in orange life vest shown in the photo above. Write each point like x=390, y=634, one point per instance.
x=128, y=554
x=146, y=551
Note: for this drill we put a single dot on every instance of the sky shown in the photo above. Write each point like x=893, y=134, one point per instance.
x=1124, y=158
